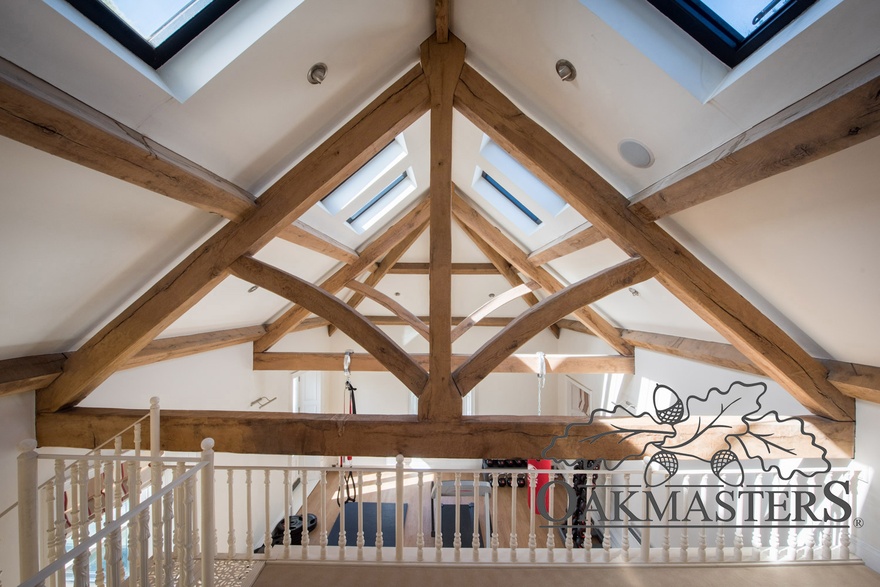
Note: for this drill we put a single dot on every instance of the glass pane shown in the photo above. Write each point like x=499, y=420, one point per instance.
x=156, y=20
x=741, y=13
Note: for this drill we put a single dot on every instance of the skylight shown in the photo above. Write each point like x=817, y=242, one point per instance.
x=361, y=180
x=732, y=30
x=154, y=30
x=505, y=202
x=383, y=202
x=522, y=177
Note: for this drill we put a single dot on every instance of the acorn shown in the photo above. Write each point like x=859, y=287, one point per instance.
x=669, y=462
x=726, y=462
x=667, y=405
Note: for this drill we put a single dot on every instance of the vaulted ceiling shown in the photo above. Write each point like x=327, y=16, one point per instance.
x=771, y=249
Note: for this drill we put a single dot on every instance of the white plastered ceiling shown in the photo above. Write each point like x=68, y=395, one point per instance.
x=78, y=245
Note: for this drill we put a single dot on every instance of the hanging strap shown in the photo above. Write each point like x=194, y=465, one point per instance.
x=542, y=377
x=348, y=476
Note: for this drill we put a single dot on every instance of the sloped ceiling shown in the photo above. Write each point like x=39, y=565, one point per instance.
x=78, y=245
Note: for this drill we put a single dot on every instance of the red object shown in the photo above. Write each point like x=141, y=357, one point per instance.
x=543, y=479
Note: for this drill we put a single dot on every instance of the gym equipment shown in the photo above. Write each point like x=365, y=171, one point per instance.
x=389, y=528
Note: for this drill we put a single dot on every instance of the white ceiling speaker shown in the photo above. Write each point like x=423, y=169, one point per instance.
x=565, y=70
x=317, y=73
x=635, y=153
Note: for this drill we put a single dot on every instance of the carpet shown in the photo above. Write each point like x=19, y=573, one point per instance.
x=447, y=525
x=389, y=529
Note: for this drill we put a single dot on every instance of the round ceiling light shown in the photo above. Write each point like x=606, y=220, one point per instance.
x=317, y=73
x=635, y=153
x=565, y=70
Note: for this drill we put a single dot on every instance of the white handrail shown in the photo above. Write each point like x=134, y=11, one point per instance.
x=85, y=545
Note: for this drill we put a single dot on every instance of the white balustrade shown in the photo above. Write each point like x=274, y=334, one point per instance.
x=103, y=495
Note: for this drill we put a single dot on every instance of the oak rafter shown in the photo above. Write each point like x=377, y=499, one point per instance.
x=310, y=180
x=570, y=242
x=844, y=113
x=679, y=270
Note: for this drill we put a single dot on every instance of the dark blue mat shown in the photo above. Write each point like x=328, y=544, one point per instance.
x=466, y=525
x=389, y=528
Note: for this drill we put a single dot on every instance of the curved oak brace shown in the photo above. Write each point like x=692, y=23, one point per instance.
x=492, y=305
x=352, y=323
x=385, y=265
x=399, y=310
x=474, y=222
x=503, y=266
x=552, y=309
x=378, y=247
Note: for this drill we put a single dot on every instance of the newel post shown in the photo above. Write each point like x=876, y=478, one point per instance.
x=28, y=532
x=208, y=543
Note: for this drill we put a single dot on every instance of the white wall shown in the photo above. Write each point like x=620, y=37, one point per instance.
x=868, y=460
x=18, y=425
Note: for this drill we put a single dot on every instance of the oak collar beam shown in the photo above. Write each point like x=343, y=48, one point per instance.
x=457, y=269
x=516, y=363
x=349, y=321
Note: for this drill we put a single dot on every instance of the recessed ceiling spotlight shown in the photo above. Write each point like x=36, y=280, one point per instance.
x=635, y=153
x=565, y=70
x=253, y=288
x=491, y=295
x=634, y=292
x=317, y=73
x=397, y=294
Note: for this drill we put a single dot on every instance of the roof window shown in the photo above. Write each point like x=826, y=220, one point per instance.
x=383, y=202
x=536, y=189
x=361, y=180
x=154, y=31
x=505, y=202
x=731, y=30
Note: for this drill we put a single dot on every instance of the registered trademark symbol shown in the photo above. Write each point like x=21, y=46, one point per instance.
x=858, y=522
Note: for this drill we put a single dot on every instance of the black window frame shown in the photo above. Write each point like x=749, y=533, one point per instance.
x=711, y=31
x=155, y=57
